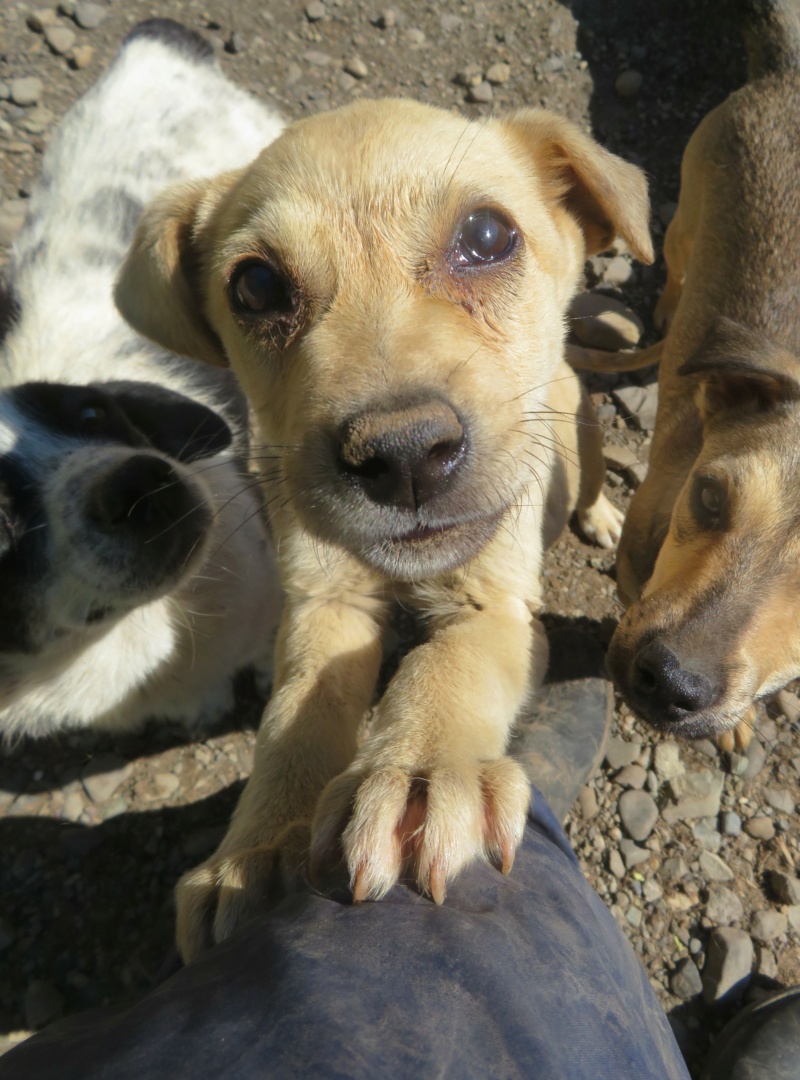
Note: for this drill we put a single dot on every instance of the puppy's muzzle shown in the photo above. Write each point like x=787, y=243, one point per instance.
x=137, y=498
x=663, y=687
x=404, y=457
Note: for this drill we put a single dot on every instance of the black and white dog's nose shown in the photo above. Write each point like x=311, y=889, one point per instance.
x=138, y=497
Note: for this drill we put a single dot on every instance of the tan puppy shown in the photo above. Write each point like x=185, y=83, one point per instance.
x=389, y=283
x=710, y=558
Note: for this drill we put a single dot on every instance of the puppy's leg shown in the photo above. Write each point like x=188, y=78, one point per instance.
x=580, y=469
x=431, y=790
x=327, y=660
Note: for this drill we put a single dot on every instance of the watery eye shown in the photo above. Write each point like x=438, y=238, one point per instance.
x=484, y=238
x=259, y=289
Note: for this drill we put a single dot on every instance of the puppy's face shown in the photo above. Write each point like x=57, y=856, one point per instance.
x=99, y=510
x=388, y=282
x=717, y=624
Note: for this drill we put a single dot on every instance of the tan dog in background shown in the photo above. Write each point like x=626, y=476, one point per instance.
x=389, y=284
x=710, y=559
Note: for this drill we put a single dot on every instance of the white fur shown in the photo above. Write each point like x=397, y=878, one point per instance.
x=158, y=116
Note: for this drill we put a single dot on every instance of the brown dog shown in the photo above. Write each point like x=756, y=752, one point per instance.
x=389, y=283
x=710, y=559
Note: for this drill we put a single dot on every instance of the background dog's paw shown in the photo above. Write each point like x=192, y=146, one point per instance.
x=428, y=824
x=222, y=894
x=601, y=522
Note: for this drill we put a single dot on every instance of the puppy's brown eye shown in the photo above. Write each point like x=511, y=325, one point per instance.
x=257, y=288
x=484, y=238
x=708, y=502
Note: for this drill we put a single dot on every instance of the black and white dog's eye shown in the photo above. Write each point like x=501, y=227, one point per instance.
x=257, y=288
x=709, y=501
x=92, y=416
x=484, y=238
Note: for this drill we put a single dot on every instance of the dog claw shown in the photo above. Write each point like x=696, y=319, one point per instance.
x=508, y=852
x=360, y=889
x=437, y=884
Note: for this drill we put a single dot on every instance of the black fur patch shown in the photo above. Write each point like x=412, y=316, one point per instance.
x=10, y=308
x=177, y=36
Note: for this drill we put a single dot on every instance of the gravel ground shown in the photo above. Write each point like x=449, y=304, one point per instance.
x=695, y=853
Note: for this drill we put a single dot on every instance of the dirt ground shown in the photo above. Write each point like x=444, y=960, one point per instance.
x=87, y=865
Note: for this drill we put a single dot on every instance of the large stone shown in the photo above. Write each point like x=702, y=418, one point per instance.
x=639, y=813
x=620, y=752
x=756, y=756
x=697, y=795
x=707, y=836
x=779, y=799
x=103, y=776
x=632, y=853
x=768, y=924
x=26, y=91
x=786, y=887
x=723, y=907
x=601, y=322
x=714, y=868
x=60, y=39
x=667, y=761
x=729, y=963
x=632, y=776
x=87, y=15
x=760, y=828
x=638, y=403
x=685, y=981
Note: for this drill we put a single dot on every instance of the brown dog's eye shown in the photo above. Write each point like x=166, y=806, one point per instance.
x=484, y=238
x=256, y=288
x=708, y=502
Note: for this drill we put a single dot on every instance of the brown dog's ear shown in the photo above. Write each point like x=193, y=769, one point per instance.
x=742, y=370
x=607, y=196
x=160, y=289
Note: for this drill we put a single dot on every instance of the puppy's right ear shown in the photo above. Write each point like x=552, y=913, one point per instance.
x=161, y=287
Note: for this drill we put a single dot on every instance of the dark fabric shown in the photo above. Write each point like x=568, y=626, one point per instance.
x=526, y=976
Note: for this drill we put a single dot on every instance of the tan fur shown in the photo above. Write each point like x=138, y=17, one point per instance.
x=360, y=208
x=723, y=599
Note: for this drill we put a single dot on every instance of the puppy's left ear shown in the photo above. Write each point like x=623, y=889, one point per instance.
x=606, y=195
x=160, y=289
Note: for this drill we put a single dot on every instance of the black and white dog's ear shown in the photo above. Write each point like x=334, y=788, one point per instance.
x=170, y=422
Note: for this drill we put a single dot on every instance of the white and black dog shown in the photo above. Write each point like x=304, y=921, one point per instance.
x=135, y=572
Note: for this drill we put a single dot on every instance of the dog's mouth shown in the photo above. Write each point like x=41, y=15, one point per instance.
x=422, y=532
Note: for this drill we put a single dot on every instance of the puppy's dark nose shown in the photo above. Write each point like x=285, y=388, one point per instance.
x=403, y=457
x=659, y=678
x=140, y=496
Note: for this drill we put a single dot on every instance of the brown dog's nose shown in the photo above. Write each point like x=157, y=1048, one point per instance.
x=403, y=457
x=659, y=677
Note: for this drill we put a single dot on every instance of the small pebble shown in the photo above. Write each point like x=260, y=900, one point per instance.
x=315, y=11
x=587, y=800
x=81, y=56
x=731, y=823
x=481, y=94
x=620, y=752
x=498, y=74
x=470, y=75
x=685, y=981
x=723, y=906
x=450, y=23
x=87, y=15
x=760, y=828
x=628, y=84
x=667, y=760
x=26, y=91
x=415, y=37
x=616, y=865
x=60, y=39
x=316, y=58
x=356, y=67
x=387, y=19
x=236, y=43
x=632, y=776
x=639, y=813
x=714, y=868
x=767, y=924
x=38, y=21
x=779, y=799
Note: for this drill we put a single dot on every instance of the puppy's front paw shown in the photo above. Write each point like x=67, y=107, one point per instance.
x=428, y=823
x=228, y=890
x=602, y=522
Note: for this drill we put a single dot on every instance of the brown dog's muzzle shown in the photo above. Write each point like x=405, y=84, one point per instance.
x=403, y=457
